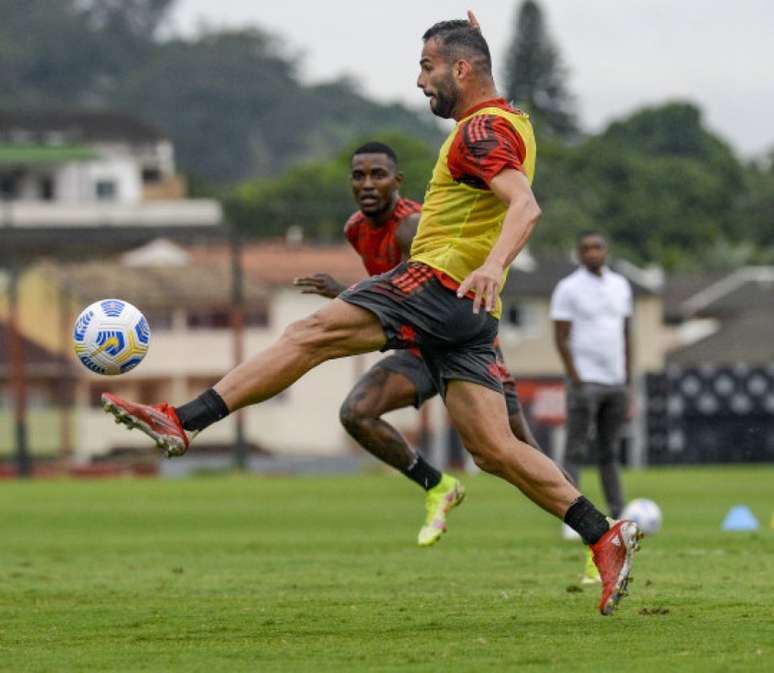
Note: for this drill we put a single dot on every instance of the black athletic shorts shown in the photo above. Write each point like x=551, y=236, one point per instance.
x=416, y=310
x=409, y=364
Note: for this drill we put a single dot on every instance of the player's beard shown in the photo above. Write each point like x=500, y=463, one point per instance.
x=446, y=97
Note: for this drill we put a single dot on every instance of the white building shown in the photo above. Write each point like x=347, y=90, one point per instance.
x=63, y=170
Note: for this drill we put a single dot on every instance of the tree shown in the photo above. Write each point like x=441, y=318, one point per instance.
x=659, y=183
x=535, y=75
x=230, y=100
x=317, y=196
x=47, y=54
x=755, y=219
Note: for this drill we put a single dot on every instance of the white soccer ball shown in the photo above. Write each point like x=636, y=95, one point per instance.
x=645, y=513
x=111, y=337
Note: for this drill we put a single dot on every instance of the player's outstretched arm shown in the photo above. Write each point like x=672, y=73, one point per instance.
x=512, y=187
x=320, y=283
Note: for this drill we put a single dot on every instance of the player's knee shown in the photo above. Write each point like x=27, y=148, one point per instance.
x=309, y=331
x=487, y=457
x=349, y=417
x=354, y=416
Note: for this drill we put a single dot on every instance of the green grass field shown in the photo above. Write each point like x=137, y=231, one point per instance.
x=321, y=574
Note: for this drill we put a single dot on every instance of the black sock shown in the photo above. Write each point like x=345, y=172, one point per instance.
x=423, y=473
x=586, y=520
x=202, y=412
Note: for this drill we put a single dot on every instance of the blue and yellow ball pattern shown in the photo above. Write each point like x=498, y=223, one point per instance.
x=111, y=337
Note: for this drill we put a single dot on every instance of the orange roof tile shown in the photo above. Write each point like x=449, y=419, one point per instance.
x=278, y=263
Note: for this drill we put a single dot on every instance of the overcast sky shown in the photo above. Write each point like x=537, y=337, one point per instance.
x=621, y=53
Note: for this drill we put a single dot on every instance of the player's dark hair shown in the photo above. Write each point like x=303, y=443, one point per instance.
x=374, y=147
x=586, y=233
x=458, y=38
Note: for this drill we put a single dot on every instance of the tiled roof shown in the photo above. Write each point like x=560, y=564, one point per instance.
x=154, y=287
x=540, y=277
x=718, y=293
x=278, y=263
x=745, y=338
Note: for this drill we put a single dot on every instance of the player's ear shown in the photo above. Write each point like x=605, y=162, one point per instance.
x=399, y=178
x=462, y=69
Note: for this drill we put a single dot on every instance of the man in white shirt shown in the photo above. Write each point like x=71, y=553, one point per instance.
x=591, y=309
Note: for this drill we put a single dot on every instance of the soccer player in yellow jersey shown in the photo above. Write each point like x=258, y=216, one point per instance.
x=478, y=214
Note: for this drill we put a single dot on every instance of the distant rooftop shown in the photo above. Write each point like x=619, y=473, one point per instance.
x=745, y=338
x=67, y=127
x=154, y=287
x=740, y=302
x=718, y=293
x=540, y=275
x=278, y=263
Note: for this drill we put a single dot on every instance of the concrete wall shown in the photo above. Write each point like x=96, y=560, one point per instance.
x=76, y=182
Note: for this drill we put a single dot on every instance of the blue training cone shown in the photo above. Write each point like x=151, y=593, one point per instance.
x=741, y=518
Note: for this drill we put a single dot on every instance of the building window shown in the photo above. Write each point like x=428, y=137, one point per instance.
x=523, y=318
x=47, y=188
x=95, y=393
x=213, y=319
x=151, y=174
x=9, y=187
x=255, y=316
x=105, y=190
x=513, y=315
x=150, y=391
x=159, y=320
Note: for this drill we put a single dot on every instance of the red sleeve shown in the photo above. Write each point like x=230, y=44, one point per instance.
x=351, y=230
x=483, y=147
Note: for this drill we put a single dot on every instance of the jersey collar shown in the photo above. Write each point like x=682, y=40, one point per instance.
x=492, y=102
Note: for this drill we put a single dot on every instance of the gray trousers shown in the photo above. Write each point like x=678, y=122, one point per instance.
x=595, y=409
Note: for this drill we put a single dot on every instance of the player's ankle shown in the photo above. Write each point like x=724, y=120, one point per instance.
x=202, y=412
x=586, y=520
x=424, y=474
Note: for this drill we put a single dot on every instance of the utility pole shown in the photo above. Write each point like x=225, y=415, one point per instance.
x=238, y=329
x=18, y=377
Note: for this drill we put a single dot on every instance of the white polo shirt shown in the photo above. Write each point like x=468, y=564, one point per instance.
x=597, y=307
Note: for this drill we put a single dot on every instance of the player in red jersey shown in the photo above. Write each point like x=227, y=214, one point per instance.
x=381, y=232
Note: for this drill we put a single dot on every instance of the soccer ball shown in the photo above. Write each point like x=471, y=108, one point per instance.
x=645, y=513
x=111, y=337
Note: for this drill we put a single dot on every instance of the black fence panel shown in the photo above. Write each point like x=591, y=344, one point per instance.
x=711, y=414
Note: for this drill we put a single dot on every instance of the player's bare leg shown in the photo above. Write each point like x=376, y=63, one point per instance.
x=337, y=330
x=482, y=423
x=377, y=393
x=480, y=417
x=521, y=430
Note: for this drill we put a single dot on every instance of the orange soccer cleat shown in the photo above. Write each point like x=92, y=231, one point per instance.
x=159, y=422
x=613, y=554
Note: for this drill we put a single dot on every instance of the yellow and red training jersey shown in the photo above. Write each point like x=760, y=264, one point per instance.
x=461, y=216
x=376, y=244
